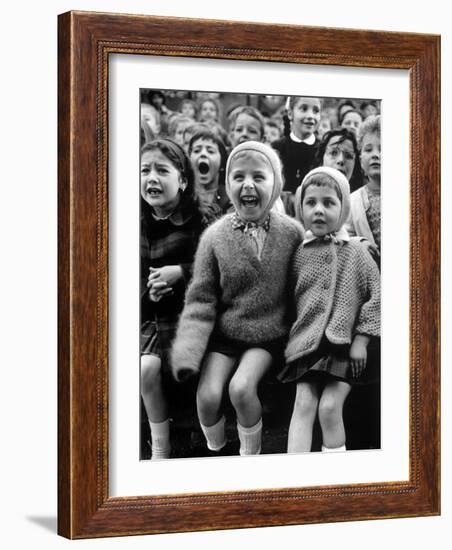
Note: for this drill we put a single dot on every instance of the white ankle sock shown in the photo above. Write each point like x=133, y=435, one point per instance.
x=335, y=450
x=250, y=439
x=160, y=439
x=215, y=435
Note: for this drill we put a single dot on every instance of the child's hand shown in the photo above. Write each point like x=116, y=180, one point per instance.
x=358, y=354
x=159, y=290
x=168, y=274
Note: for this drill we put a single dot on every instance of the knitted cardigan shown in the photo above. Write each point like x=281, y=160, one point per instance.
x=234, y=293
x=337, y=294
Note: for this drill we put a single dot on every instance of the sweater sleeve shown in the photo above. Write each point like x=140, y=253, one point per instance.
x=199, y=313
x=370, y=313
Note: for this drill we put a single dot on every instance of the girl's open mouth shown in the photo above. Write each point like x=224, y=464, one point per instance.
x=154, y=191
x=249, y=201
x=203, y=167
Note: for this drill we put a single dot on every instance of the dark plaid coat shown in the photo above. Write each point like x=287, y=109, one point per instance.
x=167, y=242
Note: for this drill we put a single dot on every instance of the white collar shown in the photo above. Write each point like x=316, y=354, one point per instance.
x=337, y=237
x=309, y=140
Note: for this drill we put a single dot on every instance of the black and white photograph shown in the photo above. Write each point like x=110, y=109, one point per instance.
x=260, y=249
x=195, y=355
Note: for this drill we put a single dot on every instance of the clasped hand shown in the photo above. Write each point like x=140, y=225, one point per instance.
x=161, y=281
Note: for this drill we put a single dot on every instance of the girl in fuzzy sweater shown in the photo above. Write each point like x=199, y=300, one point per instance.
x=337, y=295
x=235, y=320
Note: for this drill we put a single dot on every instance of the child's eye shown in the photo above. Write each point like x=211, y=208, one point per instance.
x=259, y=176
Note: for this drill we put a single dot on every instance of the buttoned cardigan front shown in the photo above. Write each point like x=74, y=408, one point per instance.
x=337, y=295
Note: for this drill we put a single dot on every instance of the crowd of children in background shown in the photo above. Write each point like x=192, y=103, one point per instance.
x=260, y=247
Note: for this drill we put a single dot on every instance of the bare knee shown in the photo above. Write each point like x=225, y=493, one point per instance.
x=305, y=404
x=330, y=410
x=150, y=372
x=209, y=397
x=241, y=392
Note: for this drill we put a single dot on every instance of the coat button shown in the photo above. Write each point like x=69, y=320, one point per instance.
x=326, y=285
x=328, y=258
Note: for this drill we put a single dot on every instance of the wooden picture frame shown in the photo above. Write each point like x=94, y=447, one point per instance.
x=86, y=40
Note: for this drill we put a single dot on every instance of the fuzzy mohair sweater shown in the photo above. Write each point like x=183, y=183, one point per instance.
x=234, y=293
x=337, y=295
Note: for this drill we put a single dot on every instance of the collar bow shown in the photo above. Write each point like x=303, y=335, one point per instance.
x=247, y=227
x=336, y=237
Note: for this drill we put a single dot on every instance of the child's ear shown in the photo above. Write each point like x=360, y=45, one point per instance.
x=183, y=183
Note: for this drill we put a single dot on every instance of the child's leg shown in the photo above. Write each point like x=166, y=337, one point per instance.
x=254, y=363
x=215, y=374
x=155, y=404
x=330, y=414
x=303, y=416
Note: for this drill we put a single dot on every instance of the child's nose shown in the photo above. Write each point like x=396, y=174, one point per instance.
x=340, y=158
x=152, y=175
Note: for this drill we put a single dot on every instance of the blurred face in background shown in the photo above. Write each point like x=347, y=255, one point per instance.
x=371, y=156
x=188, y=110
x=246, y=128
x=352, y=121
x=150, y=116
x=340, y=154
x=324, y=127
x=180, y=131
x=370, y=109
x=208, y=111
x=272, y=133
